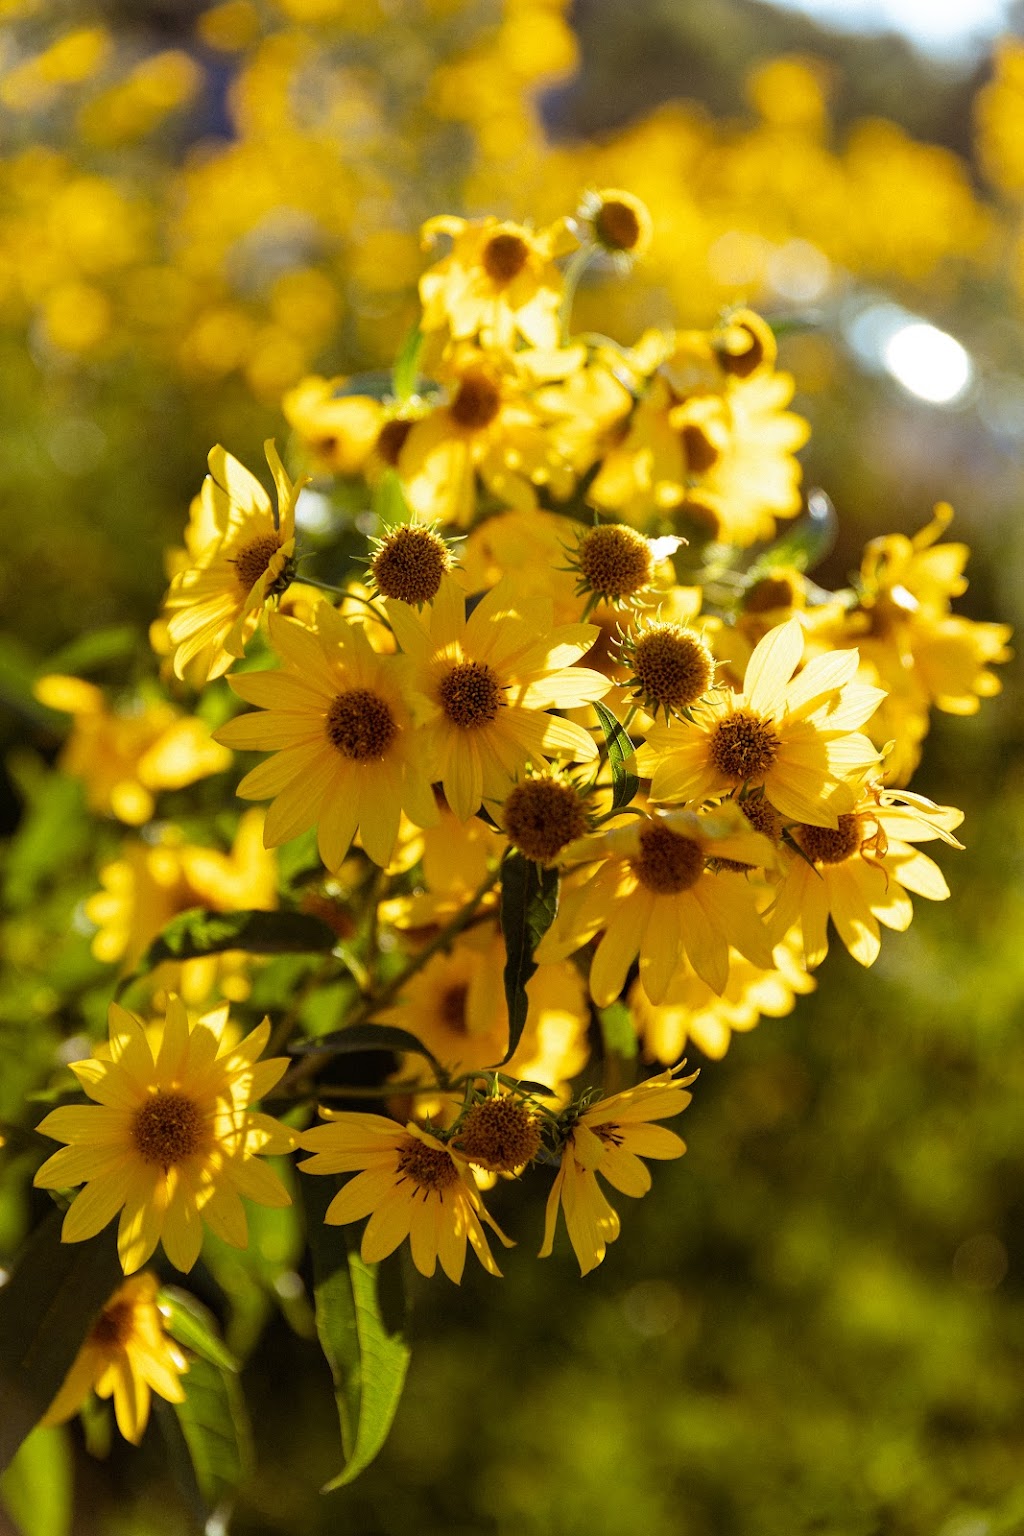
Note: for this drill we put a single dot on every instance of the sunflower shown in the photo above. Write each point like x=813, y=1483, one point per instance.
x=409, y=1184
x=492, y=678
x=859, y=873
x=170, y=1141
x=340, y=720
x=610, y=1138
x=245, y=559
x=126, y=1356
x=654, y=895
x=498, y=281
x=798, y=739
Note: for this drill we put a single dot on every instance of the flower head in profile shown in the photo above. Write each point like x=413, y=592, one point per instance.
x=797, y=737
x=340, y=720
x=240, y=557
x=171, y=1141
x=616, y=221
x=410, y=1184
x=492, y=678
x=126, y=1355
x=610, y=1138
x=498, y=282
x=860, y=872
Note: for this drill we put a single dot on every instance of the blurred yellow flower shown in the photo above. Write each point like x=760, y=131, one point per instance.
x=499, y=282
x=125, y=757
x=126, y=1355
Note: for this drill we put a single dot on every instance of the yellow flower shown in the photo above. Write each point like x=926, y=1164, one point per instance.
x=348, y=434
x=798, y=739
x=126, y=1356
x=654, y=896
x=498, y=282
x=456, y=1006
x=616, y=221
x=489, y=428
x=150, y=883
x=492, y=677
x=919, y=651
x=170, y=1141
x=609, y=1139
x=124, y=757
x=409, y=1184
x=859, y=873
x=213, y=604
x=692, y=1011
x=457, y=856
x=348, y=755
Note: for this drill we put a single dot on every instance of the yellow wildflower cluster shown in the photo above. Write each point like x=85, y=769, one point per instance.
x=551, y=770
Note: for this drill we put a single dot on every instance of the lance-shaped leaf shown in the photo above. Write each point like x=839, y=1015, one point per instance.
x=529, y=901
x=188, y=1321
x=198, y=932
x=618, y=1031
x=209, y=1439
x=360, y=1321
x=366, y=1037
x=38, y=1487
x=406, y=372
x=620, y=753
x=46, y=1309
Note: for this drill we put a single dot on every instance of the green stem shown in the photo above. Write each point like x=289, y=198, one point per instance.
x=574, y=271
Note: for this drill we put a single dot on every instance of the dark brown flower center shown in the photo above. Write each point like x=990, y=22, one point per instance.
x=504, y=257
x=360, y=724
x=668, y=862
x=409, y=564
x=452, y=1007
x=614, y=561
x=252, y=560
x=831, y=845
x=672, y=666
x=114, y=1326
x=168, y=1128
x=769, y=593
x=764, y=818
x=743, y=746
x=431, y=1168
x=701, y=453
x=742, y=360
x=391, y=440
x=541, y=816
x=500, y=1134
x=470, y=695
x=476, y=403
x=616, y=225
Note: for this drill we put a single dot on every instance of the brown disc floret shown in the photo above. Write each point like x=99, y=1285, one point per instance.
x=831, y=845
x=470, y=695
x=409, y=564
x=542, y=816
x=744, y=746
x=500, y=1134
x=671, y=665
x=614, y=561
x=668, y=863
x=360, y=725
x=432, y=1169
x=168, y=1128
x=253, y=558
x=504, y=257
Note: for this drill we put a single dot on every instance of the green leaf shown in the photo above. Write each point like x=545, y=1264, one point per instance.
x=37, y=1488
x=53, y=832
x=389, y=501
x=366, y=1037
x=620, y=750
x=46, y=1309
x=18, y=672
x=804, y=544
x=529, y=901
x=199, y=932
x=405, y=376
x=214, y=1426
x=96, y=649
x=360, y=1321
x=193, y=1325
x=617, y=1030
